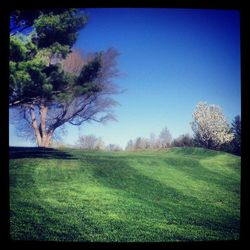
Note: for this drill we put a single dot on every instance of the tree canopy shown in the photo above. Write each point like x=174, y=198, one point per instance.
x=210, y=126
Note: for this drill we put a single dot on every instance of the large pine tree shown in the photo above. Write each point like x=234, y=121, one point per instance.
x=40, y=89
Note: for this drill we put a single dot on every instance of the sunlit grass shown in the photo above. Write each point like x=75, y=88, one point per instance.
x=176, y=195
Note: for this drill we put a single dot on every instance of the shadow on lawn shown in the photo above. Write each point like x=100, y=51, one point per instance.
x=176, y=206
x=32, y=152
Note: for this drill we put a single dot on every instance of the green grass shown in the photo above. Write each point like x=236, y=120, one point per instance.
x=183, y=194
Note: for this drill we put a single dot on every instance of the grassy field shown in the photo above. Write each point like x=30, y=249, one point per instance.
x=183, y=194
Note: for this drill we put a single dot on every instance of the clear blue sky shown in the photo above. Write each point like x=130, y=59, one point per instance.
x=172, y=59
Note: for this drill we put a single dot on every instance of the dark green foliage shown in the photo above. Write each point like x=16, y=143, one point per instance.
x=33, y=74
x=60, y=28
x=90, y=71
x=86, y=80
x=26, y=80
x=183, y=141
x=236, y=129
x=56, y=79
x=18, y=50
x=234, y=146
x=23, y=19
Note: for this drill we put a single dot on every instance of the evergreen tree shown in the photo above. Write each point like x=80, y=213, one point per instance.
x=236, y=129
x=44, y=94
x=165, y=138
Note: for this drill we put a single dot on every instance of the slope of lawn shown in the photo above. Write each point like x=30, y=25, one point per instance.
x=183, y=194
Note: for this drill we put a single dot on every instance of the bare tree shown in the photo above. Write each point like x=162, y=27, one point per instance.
x=90, y=142
x=141, y=143
x=74, y=62
x=113, y=147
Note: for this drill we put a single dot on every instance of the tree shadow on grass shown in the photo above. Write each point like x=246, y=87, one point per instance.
x=195, y=171
x=196, y=152
x=32, y=152
x=186, y=209
x=174, y=208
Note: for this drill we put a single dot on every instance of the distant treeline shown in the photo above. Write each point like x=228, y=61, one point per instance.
x=164, y=140
x=210, y=130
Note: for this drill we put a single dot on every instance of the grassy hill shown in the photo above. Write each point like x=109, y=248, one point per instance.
x=183, y=194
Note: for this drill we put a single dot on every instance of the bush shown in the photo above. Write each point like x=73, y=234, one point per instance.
x=183, y=141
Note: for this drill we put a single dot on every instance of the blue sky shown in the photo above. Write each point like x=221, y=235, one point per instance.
x=171, y=60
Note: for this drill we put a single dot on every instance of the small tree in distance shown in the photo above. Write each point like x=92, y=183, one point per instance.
x=90, y=142
x=113, y=147
x=153, y=142
x=130, y=146
x=165, y=138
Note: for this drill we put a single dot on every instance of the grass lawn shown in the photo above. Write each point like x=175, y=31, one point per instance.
x=183, y=194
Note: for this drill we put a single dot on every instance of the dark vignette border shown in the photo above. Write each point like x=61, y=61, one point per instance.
x=5, y=9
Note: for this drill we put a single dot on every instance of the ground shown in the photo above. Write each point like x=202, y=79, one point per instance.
x=182, y=194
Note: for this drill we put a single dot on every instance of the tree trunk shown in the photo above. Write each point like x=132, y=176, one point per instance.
x=43, y=139
x=43, y=115
x=36, y=127
x=48, y=139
